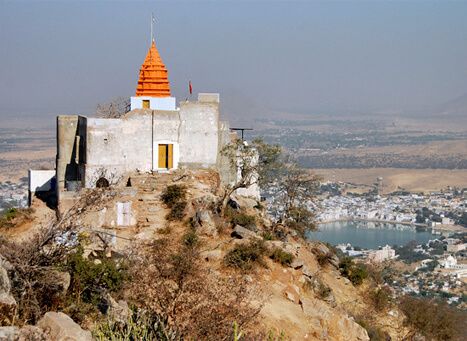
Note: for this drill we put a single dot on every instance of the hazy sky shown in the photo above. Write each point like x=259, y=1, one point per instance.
x=305, y=56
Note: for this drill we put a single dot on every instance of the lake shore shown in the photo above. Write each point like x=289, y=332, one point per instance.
x=456, y=228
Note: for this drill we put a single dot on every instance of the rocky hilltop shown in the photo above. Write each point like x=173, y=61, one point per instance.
x=181, y=271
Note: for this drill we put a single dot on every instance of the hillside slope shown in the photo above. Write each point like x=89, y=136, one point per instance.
x=307, y=299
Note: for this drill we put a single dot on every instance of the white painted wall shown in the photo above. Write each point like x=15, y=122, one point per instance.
x=155, y=103
x=39, y=180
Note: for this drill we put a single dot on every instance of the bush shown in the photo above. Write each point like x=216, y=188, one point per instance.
x=301, y=220
x=375, y=333
x=436, y=321
x=268, y=236
x=282, y=257
x=355, y=272
x=323, y=291
x=89, y=278
x=140, y=326
x=173, y=194
x=171, y=285
x=246, y=256
x=177, y=211
x=381, y=299
x=238, y=218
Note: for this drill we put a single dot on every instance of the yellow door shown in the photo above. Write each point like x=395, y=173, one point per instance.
x=162, y=156
x=166, y=156
x=145, y=104
x=170, y=156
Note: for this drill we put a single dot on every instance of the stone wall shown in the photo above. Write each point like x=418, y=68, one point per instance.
x=115, y=147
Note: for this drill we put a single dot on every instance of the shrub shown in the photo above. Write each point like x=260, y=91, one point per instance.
x=436, y=321
x=177, y=211
x=246, y=256
x=171, y=285
x=140, y=326
x=173, y=194
x=381, y=299
x=268, y=236
x=282, y=257
x=239, y=218
x=89, y=278
x=323, y=291
x=374, y=332
x=355, y=272
x=301, y=220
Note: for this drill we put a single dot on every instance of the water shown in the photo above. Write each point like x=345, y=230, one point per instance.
x=368, y=235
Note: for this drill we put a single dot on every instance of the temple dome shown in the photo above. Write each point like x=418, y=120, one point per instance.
x=153, y=80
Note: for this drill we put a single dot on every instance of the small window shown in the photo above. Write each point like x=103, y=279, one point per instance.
x=145, y=104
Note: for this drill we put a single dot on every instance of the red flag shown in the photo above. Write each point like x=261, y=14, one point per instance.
x=191, y=89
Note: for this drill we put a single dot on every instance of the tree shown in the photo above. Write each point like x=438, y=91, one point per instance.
x=297, y=187
x=257, y=163
x=116, y=108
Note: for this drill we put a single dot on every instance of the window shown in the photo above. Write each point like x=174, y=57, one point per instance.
x=145, y=104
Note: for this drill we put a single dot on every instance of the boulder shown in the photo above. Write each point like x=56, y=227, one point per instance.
x=242, y=232
x=334, y=261
x=9, y=333
x=62, y=328
x=57, y=280
x=307, y=271
x=33, y=333
x=297, y=263
x=7, y=301
x=243, y=202
x=213, y=256
x=289, y=296
x=118, y=311
x=332, y=320
x=207, y=225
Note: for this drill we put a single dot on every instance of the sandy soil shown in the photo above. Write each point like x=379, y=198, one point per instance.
x=416, y=180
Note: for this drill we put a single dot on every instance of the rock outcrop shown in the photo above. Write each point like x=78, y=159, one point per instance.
x=62, y=328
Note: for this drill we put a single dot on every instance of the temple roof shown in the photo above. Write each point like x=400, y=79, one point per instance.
x=153, y=80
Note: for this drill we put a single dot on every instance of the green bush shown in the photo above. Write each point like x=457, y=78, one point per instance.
x=268, y=236
x=140, y=326
x=282, y=257
x=355, y=272
x=323, y=291
x=177, y=211
x=173, y=194
x=239, y=218
x=10, y=214
x=246, y=256
x=89, y=278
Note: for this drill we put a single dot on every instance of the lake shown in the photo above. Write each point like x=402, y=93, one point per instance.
x=368, y=235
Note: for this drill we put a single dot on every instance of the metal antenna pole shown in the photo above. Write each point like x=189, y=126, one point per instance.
x=152, y=21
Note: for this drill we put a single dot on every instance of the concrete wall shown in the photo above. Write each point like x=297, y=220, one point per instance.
x=199, y=134
x=166, y=127
x=155, y=103
x=40, y=180
x=67, y=169
x=115, y=147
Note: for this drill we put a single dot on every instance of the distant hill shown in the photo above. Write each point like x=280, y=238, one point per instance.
x=454, y=108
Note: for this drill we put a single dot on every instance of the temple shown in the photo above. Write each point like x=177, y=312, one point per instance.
x=155, y=136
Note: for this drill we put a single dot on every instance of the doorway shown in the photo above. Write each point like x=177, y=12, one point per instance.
x=166, y=156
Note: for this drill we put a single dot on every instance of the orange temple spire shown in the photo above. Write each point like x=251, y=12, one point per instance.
x=153, y=80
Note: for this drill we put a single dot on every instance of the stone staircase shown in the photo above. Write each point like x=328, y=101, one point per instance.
x=151, y=210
